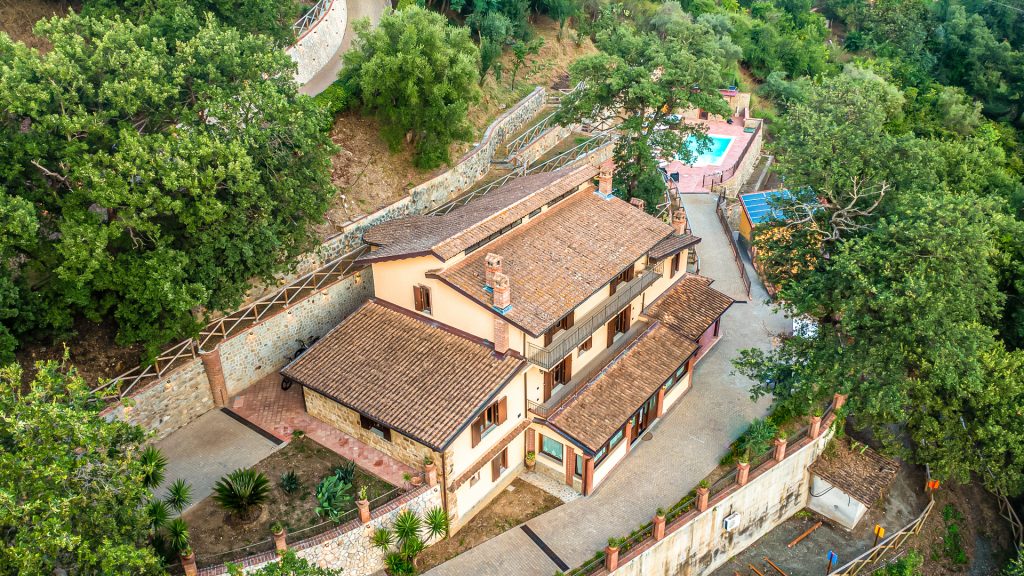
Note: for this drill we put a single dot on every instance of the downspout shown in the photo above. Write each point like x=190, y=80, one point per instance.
x=444, y=485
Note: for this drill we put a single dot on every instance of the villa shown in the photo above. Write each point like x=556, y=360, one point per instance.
x=547, y=317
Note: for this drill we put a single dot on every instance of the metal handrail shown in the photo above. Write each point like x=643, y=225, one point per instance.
x=721, y=176
x=311, y=17
x=546, y=357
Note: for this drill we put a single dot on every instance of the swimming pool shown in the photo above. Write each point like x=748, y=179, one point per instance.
x=714, y=156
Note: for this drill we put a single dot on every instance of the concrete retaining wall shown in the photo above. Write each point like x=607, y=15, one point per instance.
x=697, y=543
x=320, y=42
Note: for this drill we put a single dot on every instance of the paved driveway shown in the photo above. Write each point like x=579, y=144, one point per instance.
x=686, y=446
x=357, y=9
x=207, y=449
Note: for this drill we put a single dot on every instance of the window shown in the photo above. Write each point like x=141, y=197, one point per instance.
x=564, y=324
x=681, y=371
x=551, y=448
x=421, y=298
x=674, y=269
x=499, y=464
x=535, y=212
x=492, y=416
x=587, y=345
x=578, y=471
x=375, y=427
x=600, y=454
x=474, y=478
x=557, y=377
x=670, y=383
x=616, y=438
x=626, y=276
x=619, y=324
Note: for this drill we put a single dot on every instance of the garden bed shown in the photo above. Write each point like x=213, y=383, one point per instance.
x=510, y=508
x=214, y=533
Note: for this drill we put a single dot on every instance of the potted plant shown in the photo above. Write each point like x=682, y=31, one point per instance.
x=430, y=470
x=660, y=513
x=531, y=460
x=416, y=480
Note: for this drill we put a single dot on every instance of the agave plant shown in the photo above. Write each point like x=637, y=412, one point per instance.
x=153, y=466
x=177, y=535
x=157, y=515
x=179, y=495
x=242, y=492
x=346, y=472
x=333, y=497
x=290, y=482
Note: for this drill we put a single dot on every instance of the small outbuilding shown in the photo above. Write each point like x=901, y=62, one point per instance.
x=846, y=485
x=758, y=207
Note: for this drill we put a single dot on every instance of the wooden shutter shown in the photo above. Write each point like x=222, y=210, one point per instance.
x=570, y=320
x=417, y=296
x=502, y=410
x=611, y=331
x=548, y=336
x=475, y=432
x=567, y=374
x=627, y=318
x=495, y=468
x=549, y=383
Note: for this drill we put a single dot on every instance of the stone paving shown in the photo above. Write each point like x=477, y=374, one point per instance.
x=208, y=448
x=280, y=412
x=551, y=486
x=685, y=445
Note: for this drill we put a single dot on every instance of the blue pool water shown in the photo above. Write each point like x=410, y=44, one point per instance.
x=712, y=157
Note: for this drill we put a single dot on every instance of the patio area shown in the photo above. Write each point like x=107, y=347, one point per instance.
x=692, y=178
x=280, y=412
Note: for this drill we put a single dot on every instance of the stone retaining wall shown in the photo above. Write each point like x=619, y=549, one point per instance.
x=320, y=42
x=166, y=405
x=747, y=163
x=542, y=144
x=348, y=547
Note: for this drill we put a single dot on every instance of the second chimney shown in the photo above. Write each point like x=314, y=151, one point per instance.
x=502, y=302
x=638, y=203
x=604, y=178
x=492, y=266
x=679, y=221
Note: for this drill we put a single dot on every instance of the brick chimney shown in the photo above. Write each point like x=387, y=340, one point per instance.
x=679, y=221
x=492, y=266
x=502, y=302
x=604, y=178
x=638, y=203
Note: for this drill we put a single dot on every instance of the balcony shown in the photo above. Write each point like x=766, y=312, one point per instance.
x=594, y=365
x=546, y=357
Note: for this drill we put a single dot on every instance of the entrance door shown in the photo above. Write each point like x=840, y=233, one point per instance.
x=644, y=417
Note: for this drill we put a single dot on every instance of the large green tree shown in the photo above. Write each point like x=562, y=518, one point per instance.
x=163, y=175
x=72, y=484
x=641, y=78
x=418, y=75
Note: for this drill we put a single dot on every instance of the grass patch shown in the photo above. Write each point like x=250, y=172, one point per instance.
x=952, y=540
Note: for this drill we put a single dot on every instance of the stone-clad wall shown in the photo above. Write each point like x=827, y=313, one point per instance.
x=318, y=44
x=166, y=405
x=267, y=347
x=700, y=544
x=348, y=547
x=542, y=144
x=401, y=448
x=747, y=163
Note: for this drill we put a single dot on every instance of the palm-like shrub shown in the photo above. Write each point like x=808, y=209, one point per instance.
x=333, y=497
x=758, y=438
x=290, y=482
x=154, y=465
x=157, y=515
x=403, y=542
x=436, y=522
x=177, y=535
x=242, y=492
x=179, y=495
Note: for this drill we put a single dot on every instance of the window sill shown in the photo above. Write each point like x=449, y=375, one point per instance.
x=484, y=433
x=552, y=458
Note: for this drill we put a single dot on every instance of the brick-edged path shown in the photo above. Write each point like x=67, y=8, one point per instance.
x=281, y=411
x=686, y=446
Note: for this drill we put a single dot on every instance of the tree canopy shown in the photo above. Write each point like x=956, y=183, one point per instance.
x=72, y=484
x=418, y=75
x=148, y=179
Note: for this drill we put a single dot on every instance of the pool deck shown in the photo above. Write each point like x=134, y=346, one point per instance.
x=691, y=177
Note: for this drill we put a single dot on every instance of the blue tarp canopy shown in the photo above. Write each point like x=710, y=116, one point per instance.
x=759, y=205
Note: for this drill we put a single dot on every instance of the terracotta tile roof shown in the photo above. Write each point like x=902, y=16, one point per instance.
x=560, y=259
x=488, y=456
x=413, y=375
x=672, y=245
x=604, y=405
x=866, y=476
x=690, y=306
x=447, y=235
x=678, y=318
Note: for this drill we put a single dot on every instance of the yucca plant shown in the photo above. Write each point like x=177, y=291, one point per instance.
x=157, y=515
x=179, y=495
x=383, y=538
x=154, y=464
x=437, y=522
x=177, y=535
x=290, y=482
x=242, y=492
